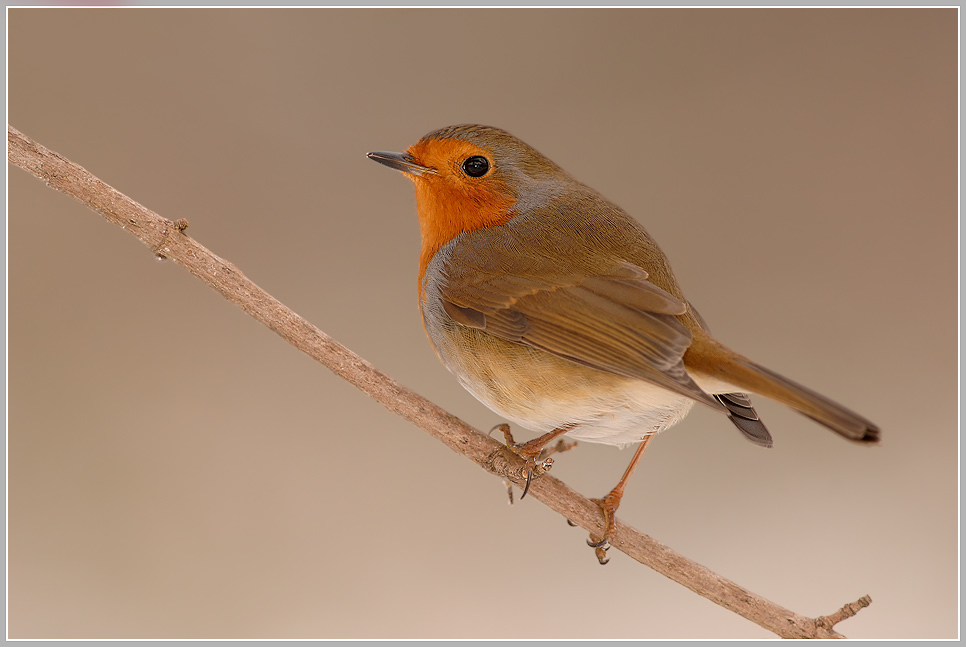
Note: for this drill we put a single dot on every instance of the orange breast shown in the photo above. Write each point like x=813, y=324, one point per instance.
x=450, y=203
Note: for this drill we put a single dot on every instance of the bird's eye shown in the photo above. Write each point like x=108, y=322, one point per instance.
x=476, y=166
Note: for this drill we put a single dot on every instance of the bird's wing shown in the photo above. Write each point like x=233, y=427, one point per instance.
x=605, y=314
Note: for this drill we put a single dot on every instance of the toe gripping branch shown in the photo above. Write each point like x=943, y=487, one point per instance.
x=535, y=453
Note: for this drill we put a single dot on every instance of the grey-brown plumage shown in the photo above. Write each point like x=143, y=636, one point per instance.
x=526, y=272
x=557, y=309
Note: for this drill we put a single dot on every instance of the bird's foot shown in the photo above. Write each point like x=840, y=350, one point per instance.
x=535, y=454
x=601, y=544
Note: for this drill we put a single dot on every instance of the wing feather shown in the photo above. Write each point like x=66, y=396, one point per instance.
x=618, y=322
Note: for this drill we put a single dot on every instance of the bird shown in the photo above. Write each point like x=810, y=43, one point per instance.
x=557, y=310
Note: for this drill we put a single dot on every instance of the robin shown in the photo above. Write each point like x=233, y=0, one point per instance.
x=558, y=311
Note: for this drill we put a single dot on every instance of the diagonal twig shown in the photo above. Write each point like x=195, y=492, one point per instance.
x=167, y=239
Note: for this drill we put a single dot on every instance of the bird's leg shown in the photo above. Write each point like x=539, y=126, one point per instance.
x=559, y=447
x=609, y=506
x=532, y=450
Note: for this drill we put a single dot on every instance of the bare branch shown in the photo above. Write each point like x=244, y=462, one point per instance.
x=167, y=239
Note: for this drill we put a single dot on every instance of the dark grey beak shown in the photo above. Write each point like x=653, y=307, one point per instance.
x=401, y=162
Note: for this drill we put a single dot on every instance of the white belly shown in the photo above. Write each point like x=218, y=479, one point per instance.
x=542, y=392
x=620, y=416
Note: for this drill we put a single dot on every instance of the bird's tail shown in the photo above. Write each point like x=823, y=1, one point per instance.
x=709, y=357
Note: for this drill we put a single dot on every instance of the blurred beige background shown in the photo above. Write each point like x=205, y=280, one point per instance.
x=177, y=471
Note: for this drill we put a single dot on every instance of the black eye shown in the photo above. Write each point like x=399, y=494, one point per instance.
x=476, y=166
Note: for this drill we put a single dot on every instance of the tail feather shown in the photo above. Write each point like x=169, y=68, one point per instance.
x=728, y=366
x=745, y=418
x=817, y=407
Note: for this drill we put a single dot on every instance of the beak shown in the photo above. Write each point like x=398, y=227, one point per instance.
x=401, y=162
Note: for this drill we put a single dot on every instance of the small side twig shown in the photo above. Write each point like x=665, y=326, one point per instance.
x=849, y=610
x=167, y=239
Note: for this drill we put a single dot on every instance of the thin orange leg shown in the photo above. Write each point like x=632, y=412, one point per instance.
x=610, y=503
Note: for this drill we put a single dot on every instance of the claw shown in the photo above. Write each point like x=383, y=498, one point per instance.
x=539, y=470
x=600, y=549
x=527, y=486
x=601, y=554
x=608, y=505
